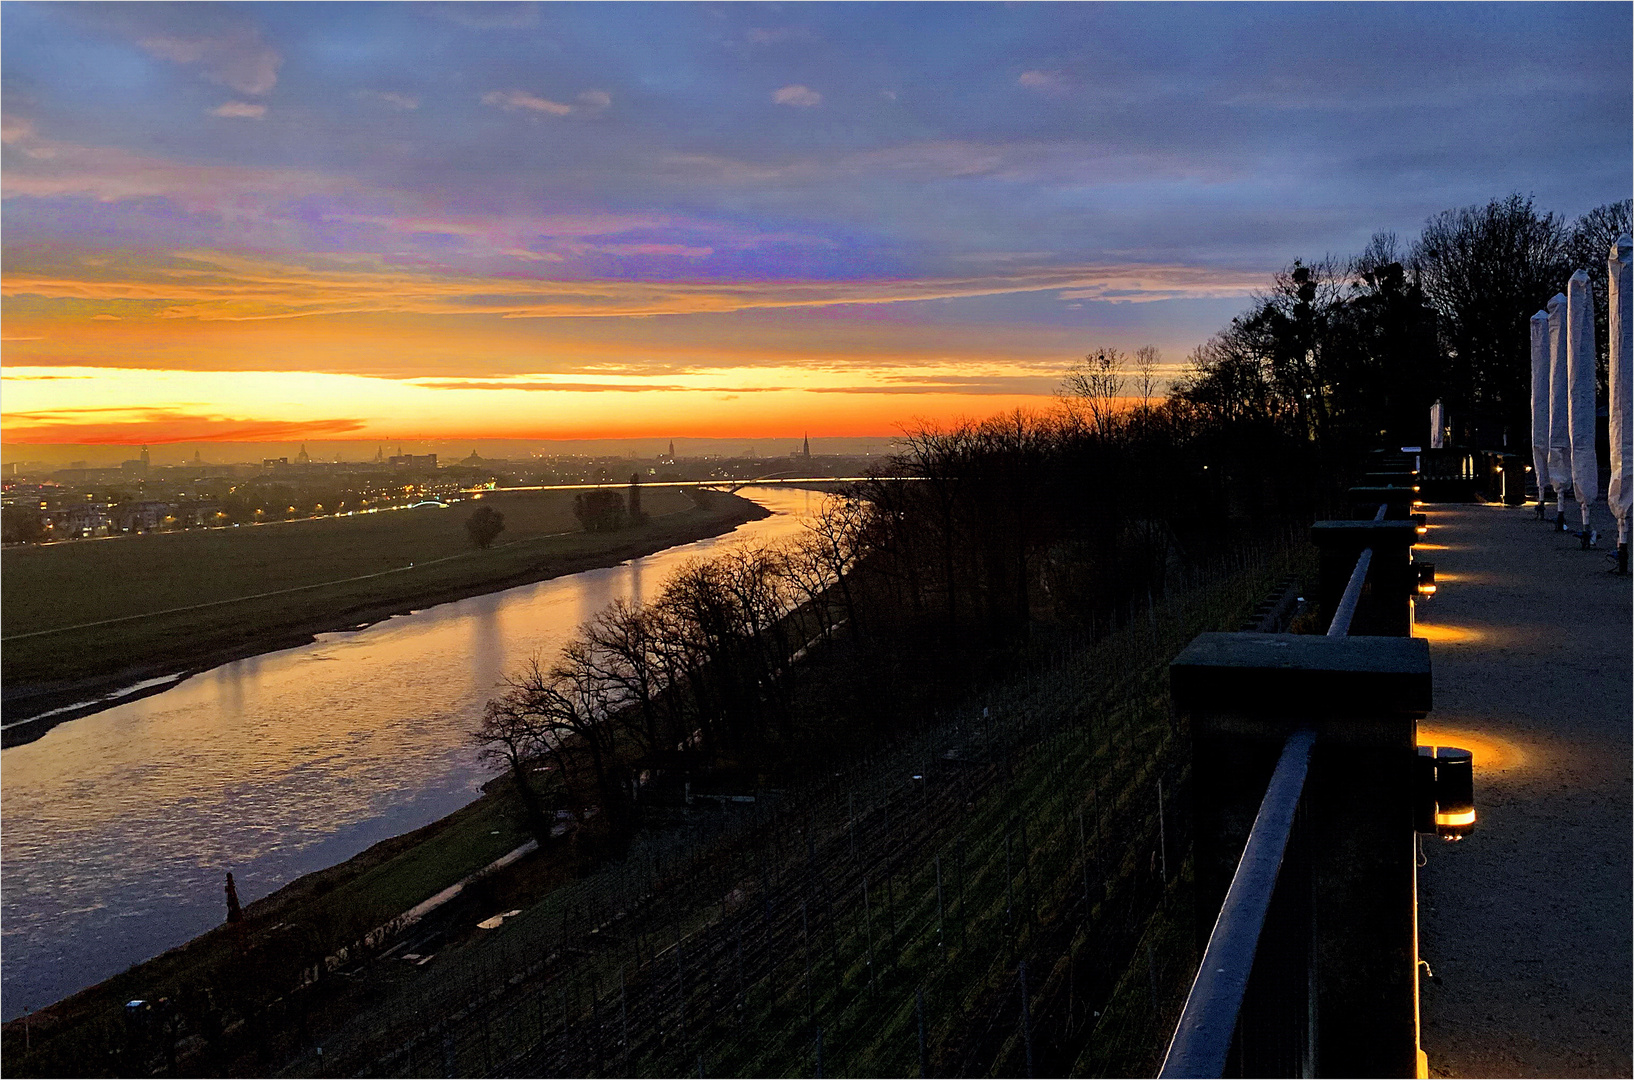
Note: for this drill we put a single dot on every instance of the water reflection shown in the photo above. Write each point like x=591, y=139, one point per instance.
x=119, y=826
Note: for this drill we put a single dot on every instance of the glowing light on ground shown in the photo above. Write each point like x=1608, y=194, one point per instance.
x=1446, y=634
x=1491, y=753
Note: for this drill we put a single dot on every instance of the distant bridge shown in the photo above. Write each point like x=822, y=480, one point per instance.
x=727, y=484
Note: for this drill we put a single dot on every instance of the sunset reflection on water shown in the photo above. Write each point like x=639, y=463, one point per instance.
x=120, y=826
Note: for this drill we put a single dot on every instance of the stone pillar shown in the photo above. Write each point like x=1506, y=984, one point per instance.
x=1386, y=607
x=1398, y=499
x=1240, y=696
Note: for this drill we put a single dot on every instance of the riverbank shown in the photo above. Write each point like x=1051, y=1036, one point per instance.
x=285, y=937
x=54, y=673
x=582, y=910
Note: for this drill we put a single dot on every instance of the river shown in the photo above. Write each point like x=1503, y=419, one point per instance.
x=119, y=826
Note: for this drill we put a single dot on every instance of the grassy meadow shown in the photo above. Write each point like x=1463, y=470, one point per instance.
x=347, y=570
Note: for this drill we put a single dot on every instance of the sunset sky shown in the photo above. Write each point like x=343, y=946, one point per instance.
x=264, y=222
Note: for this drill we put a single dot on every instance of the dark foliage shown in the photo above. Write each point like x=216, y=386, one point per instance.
x=637, y=515
x=601, y=510
x=21, y=525
x=1591, y=240
x=485, y=524
x=1486, y=270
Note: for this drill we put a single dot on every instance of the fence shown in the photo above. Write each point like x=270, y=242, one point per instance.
x=1303, y=762
x=963, y=903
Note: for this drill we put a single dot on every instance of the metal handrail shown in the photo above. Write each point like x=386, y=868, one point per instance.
x=1353, y=595
x=1202, y=1040
x=1346, y=610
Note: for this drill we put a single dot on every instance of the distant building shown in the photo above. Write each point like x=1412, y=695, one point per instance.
x=144, y=516
x=474, y=461
x=89, y=519
x=274, y=462
x=412, y=461
x=303, y=458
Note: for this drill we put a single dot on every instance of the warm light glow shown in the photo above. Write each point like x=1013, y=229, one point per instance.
x=1446, y=634
x=1490, y=753
x=1426, y=588
x=121, y=406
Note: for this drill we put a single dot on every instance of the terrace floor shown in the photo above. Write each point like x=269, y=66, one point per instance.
x=1526, y=923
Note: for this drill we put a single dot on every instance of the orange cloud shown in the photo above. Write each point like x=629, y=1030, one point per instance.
x=216, y=286
x=131, y=406
x=130, y=427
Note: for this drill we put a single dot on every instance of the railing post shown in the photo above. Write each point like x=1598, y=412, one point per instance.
x=1397, y=498
x=1386, y=608
x=1241, y=696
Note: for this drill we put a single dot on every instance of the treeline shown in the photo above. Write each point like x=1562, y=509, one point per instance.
x=906, y=592
x=987, y=537
x=702, y=674
x=604, y=510
x=1341, y=350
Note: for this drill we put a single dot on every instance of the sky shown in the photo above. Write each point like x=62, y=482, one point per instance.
x=262, y=222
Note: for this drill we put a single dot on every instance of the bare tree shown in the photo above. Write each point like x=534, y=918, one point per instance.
x=1486, y=270
x=561, y=715
x=1382, y=249
x=1591, y=239
x=837, y=532
x=1097, y=381
x=511, y=736
x=1147, y=359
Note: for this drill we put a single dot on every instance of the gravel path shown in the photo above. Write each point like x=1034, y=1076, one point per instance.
x=1527, y=922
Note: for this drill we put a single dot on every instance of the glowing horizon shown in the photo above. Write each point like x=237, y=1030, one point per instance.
x=552, y=222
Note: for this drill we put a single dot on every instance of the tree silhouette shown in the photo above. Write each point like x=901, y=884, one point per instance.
x=601, y=510
x=21, y=525
x=637, y=515
x=1486, y=270
x=485, y=524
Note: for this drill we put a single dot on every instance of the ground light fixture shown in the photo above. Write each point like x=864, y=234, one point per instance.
x=1446, y=792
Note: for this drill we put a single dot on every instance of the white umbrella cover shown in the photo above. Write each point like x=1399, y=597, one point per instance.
x=1540, y=400
x=1580, y=401
x=1560, y=439
x=1620, y=493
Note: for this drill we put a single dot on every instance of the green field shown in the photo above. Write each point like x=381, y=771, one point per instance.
x=344, y=570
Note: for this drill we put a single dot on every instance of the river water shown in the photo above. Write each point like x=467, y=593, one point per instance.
x=119, y=827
